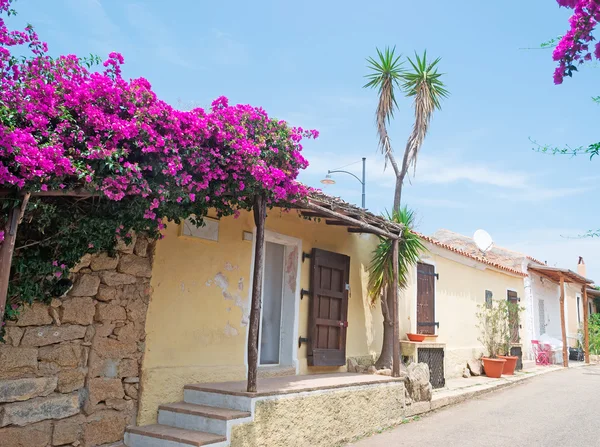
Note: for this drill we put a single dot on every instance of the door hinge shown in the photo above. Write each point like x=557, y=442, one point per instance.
x=302, y=340
x=304, y=292
x=437, y=275
x=305, y=256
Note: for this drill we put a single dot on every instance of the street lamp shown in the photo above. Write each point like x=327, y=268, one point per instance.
x=328, y=180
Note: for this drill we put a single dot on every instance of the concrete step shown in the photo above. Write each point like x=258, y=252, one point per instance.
x=195, y=394
x=201, y=417
x=158, y=435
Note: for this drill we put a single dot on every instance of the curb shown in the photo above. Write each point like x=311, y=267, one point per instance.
x=441, y=400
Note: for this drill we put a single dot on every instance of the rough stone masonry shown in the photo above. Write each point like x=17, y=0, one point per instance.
x=69, y=371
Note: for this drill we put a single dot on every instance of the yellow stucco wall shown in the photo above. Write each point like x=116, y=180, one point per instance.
x=461, y=287
x=197, y=318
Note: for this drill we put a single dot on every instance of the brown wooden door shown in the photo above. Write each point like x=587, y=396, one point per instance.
x=425, y=298
x=513, y=316
x=328, y=315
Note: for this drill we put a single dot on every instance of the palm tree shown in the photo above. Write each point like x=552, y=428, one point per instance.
x=424, y=84
x=385, y=76
x=410, y=248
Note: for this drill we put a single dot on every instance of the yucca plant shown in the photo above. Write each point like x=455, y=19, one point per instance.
x=423, y=83
x=410, y=248
x=385, y=76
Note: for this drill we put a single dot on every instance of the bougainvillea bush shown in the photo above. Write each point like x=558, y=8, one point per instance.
x=66, y=127
x=578, y=44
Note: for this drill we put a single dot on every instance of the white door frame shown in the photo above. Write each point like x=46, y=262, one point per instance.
x=290, y=244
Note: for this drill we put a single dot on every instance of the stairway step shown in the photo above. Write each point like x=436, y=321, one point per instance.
x=173, y=436
x=224, y=414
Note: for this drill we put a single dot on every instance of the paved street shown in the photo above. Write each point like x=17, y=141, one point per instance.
x=557, y=409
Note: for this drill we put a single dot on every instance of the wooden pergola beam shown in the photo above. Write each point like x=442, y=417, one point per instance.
x=71, y=193
x=337, y=222
x=396, y=327
x=359, y=230
x=562, y=323
x=7, y=248
x=311, y=214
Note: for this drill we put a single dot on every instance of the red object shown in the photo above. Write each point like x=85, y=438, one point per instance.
x=510, y=365
x=416, y=337
x=493, y=367
x=542, y=353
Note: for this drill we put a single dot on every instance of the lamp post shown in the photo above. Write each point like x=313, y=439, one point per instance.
x=328, y=180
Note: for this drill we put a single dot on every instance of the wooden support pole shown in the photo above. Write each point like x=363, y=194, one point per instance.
x=7, y=248
x=562, y=322
x=396, y=344
x=586, y=317
x=260, y=214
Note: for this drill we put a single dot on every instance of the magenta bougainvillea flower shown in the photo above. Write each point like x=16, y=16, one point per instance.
x=577, y=45
x=65, y=126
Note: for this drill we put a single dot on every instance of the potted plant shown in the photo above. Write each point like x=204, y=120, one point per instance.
x=510, y=313
x=491, y=322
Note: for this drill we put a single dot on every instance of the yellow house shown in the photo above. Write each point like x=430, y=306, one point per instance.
x=315, y=315
x=442, y=300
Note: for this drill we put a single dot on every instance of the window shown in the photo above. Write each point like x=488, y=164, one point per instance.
x=488, y=299
x=578, y=309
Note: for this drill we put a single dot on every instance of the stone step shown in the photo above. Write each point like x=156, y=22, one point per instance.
x=195, y=394
x=201, y=417
x=158, y=435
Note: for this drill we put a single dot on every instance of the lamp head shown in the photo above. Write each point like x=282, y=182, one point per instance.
x=328, y=180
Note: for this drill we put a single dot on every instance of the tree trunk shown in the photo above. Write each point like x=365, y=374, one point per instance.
x=387, y=347
x=398, y=192
x=257, y=279
x=7, y=248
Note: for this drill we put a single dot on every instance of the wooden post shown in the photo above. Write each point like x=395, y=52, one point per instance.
x=586, y=316
x=396, y=344
x=7, y=247
x=562, y=323
x=260, y=214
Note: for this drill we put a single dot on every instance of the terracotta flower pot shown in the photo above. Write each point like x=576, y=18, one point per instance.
x=510, y=365
x=493, y=367
x=415, y=337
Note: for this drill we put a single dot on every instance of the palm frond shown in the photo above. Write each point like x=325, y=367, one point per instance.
x=386, y=74
x=425, y=85
x=410, y=248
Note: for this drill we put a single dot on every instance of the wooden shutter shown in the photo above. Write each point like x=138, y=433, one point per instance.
x=514, y=317
x=425, y=298
x=328, y=315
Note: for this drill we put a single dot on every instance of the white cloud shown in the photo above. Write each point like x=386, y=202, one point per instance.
x=506, y=184
x=560, y=247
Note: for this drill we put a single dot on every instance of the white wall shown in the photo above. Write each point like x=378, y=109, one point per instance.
x=544, y=289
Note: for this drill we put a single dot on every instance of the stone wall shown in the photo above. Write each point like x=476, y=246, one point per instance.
x=69, y=371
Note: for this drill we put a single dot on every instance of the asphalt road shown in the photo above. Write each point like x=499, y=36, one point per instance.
x=557, y=409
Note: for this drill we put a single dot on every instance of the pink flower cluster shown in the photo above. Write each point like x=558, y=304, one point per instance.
x=575, y=46
x=63, y=126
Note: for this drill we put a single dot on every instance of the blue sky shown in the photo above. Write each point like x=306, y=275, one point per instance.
x=305, y=62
